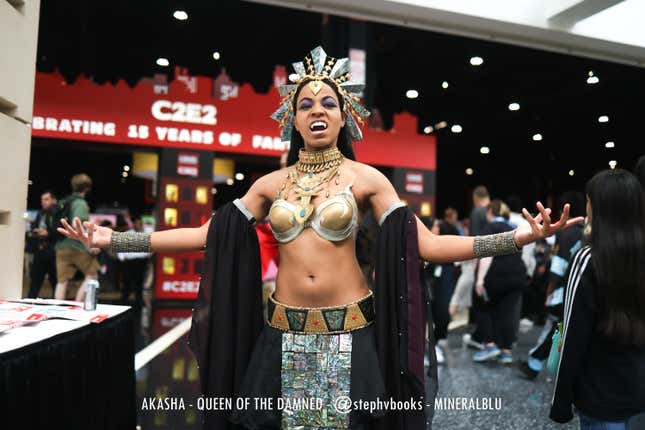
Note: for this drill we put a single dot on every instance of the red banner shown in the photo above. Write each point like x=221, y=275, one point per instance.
x=185, y=114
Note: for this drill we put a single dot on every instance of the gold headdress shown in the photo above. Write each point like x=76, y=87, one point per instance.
x=317, y=67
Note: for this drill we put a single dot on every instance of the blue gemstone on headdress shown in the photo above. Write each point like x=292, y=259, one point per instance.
x=307, y=188
x=360, y=109
x=318, y=56
x=310, y=174
x=302, y=212
x=286, y=89
x=279, y=114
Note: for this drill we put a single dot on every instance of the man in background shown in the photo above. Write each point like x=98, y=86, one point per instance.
x=72, y=255
x=41, y=242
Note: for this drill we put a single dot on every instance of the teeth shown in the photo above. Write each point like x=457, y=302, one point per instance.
x=318, y=124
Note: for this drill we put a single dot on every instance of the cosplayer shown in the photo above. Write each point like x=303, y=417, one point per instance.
x=328, y=336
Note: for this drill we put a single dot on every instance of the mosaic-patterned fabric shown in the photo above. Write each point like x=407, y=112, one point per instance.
x=315, y=366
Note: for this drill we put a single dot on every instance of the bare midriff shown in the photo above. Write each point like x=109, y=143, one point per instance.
x=315, y=272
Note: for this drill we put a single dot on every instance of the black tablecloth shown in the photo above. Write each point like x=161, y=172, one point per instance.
x=81, y=379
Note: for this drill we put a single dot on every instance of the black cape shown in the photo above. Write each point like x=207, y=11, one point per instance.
x=227, y=318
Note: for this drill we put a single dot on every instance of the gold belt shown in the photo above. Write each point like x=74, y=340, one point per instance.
x=333, y=319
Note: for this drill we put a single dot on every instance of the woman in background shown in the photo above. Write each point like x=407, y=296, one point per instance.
x=602, y=362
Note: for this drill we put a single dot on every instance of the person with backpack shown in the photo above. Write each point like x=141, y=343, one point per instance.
x=72, y=255
x=602, y=352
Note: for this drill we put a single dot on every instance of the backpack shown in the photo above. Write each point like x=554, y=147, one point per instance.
x=63, y=209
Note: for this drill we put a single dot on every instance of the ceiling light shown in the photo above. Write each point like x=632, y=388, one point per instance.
x=469, y=171
x=180, y=15
x=163, y=62
x=476, y=61
x=441, y=125
x=537, y=137
x=428, y=129
x=571, y=173
x=239, y=176
x=456, y=128
x=444, y=85
x=213, y=190
x=591, y=80
x=412, y=94
x=603, y=118
x=590, y=72
x=229, y=181
x=484, y=150
x=609, y=145
x=514, y=106
x=612, y=164
x=216, y=55
x=124, y=174
x=126, y=168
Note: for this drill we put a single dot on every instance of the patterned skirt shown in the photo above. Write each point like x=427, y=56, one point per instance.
x=312, y=380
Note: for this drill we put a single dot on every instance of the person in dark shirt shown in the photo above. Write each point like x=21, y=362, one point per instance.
x=500, y=282
x=601, y=369
x=42, y=245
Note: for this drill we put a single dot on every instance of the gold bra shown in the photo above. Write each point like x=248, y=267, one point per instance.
x=335, y=219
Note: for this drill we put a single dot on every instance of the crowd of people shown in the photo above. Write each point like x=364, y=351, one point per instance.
x=585, y=284
x=61, y=260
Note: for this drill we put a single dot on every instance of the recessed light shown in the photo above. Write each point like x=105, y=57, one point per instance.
x=469, y=171
x=484, y=150
x=613, y=164
x=124, y=174
x=456, y=128
x=180, y=15
x=429, y=129
x=537, y=137
x=514, y=106
x=591, y=80
x=603, y=118
x=571, y=172
x=163, y=62
x=239, y=176
x=476, y=61
x=412, y=94
x=609, y=145
x=441, y=125
x=126, y=168
x=444, y=85
x=229, y=181
x=213, y=190
x=216, y=55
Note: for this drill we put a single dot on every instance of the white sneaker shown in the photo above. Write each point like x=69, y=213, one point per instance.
x=468, y=341
x=439, y=353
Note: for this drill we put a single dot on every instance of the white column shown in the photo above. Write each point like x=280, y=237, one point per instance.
x=18, y=40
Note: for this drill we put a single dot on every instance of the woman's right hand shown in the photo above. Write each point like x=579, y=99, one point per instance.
x=92, y=236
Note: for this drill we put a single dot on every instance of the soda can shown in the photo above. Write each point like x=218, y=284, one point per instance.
x=91, y=295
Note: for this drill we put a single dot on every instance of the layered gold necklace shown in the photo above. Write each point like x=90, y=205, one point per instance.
x=311, y=184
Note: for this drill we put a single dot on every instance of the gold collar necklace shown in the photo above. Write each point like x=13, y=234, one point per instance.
x=318, y=161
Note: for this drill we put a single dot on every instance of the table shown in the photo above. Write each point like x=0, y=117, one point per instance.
x=69, y=374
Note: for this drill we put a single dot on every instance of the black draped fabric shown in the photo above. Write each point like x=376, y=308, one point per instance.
x=227, y=318
x=80, y=379
x=400, y=321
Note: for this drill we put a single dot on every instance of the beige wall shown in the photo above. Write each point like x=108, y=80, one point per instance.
x=18, y=39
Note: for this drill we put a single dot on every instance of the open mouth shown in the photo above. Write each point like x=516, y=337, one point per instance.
x=318, y=126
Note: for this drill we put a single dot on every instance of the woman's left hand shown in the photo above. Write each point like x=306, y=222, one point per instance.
x=540, y=227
